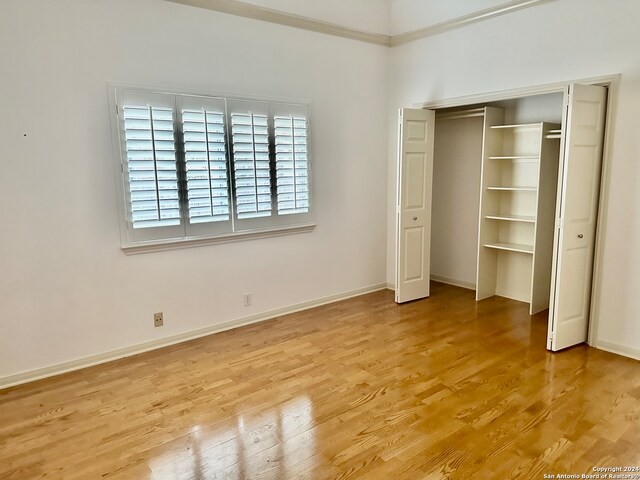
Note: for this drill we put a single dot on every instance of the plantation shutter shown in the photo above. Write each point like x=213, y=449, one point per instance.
x=292, y=167
x=293, y=195
x=150, y=165
x=194, y=167
x=208, y=199
x=251, y=162
x=151, y=162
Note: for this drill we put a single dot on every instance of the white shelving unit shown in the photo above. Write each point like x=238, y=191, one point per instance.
x=517, y=205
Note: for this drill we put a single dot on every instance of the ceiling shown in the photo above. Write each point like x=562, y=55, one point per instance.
x=366, y=15
x=410, y=15
x=384, y=22
x=386, y=17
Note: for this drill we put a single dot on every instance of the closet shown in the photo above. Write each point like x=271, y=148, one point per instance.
x=502, y=197
x=517, y=206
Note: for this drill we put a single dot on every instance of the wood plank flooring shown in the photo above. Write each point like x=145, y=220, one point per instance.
x=440, y=388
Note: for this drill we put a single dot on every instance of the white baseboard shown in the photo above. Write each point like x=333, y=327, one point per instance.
x=437, y=278
x=618, y=349
x=454, y=282
x=32, y=375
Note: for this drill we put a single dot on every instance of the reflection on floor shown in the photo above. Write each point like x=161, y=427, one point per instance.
x=438, y=388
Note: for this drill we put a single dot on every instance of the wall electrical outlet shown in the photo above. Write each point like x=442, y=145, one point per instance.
x=158, y=319
x=247, y=299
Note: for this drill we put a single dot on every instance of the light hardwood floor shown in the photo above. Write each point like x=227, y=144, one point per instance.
x=440, y=388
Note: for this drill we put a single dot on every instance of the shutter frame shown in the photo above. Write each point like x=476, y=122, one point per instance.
x=214, y=105
x=131, y=98
x=251, y=111
x=301, y=111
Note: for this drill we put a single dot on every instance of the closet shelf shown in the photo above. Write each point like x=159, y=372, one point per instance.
x=512, y=218
x=531, y=158
x=510, y=247
x=513, y=189
x=521, y=125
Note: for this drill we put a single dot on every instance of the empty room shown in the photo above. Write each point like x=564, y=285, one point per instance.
x=300, y=239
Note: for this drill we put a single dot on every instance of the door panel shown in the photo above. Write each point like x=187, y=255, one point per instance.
x=413, y=246
x=575, y=261
x=578, y=191
x=414, y=181
x=413, y=217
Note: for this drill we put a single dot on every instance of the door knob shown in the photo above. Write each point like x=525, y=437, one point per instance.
x=415, y=218
x=580, y=235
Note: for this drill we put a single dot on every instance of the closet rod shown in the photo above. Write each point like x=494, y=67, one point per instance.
x=470, y=113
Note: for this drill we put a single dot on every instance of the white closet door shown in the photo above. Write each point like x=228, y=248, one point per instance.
x=579, y=186
x=413, y=228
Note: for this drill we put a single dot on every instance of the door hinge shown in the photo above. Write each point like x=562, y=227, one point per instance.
x=559, y=223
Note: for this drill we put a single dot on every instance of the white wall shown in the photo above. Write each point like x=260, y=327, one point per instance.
x=554, y=42
x=537, y=108
x=66, y=289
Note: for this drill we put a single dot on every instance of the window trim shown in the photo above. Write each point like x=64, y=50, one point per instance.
x=195, y=241
x=306, y=222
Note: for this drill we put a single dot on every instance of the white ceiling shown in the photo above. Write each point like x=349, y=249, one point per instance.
x=387, y=17
x=366, y=15
x=409, y=15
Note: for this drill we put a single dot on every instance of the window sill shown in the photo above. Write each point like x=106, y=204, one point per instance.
x=173, y=244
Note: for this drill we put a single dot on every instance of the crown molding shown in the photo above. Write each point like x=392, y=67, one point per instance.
x=242, y=9
x=480, y=15
x=247, y=10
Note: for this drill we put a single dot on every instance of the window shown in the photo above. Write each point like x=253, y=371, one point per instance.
x=197, y=168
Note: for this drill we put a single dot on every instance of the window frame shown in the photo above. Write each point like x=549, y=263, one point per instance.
x=142, y=240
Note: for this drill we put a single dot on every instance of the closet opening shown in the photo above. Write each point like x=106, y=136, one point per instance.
x=514, y=189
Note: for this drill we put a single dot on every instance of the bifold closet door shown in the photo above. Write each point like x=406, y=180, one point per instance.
x=578, y=194
x=413, y=203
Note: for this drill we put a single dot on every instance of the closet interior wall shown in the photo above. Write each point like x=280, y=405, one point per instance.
x=456, y=192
